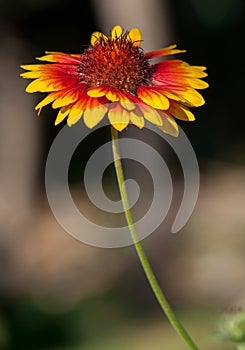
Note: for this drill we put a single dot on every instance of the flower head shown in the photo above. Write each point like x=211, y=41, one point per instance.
x=114, y=77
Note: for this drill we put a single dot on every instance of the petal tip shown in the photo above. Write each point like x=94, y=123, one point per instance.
x=116, y=32
x=135, y=36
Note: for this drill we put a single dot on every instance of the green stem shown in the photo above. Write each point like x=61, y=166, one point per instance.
x=141, y=254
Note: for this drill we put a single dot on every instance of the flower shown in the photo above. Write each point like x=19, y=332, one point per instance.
x=114, y=77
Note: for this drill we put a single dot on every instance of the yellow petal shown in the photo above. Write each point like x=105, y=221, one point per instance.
x=32, y=66
x=93, y=116
x=96, y=92
x=181, y=112
x=96, y=37
x=196, y=71
x=129, y=105
x=32, y=75
x=112, y=96
x=48, y=58
x=63, y=112
x=189, y=97
x=118, y=95
x=192, y=97
x=169, y=125
x=116, y=32
x=197, y=83
x=135, y=36
x=50, y=98
x=151, y=115
x=65, y=100
x=137, y=120
x=39, y=85
x=35, y=86
x=75, y=114
x=173, y=96
x=119, y=117
x=153, y=98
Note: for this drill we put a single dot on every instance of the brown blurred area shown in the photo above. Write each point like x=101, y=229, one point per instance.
x=40, y=263
x=202, y=264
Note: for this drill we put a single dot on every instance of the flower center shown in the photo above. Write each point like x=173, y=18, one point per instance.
x=115, y=62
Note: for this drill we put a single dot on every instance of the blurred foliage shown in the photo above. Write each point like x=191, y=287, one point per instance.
x=232, y=327
x=104, y=322
x=27, y=326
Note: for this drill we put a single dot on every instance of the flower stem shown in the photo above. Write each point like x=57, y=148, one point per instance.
x=139, y=249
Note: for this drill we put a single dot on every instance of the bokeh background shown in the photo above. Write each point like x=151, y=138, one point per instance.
x=57, y=293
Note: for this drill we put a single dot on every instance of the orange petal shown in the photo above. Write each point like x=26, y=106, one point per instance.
x=179, y=68
x=60, y=57
x=65, y=99
x=170, y=50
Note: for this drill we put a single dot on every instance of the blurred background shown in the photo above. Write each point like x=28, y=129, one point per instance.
x=57, y=293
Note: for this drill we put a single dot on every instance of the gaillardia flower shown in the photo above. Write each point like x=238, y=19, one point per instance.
x=113, y=77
